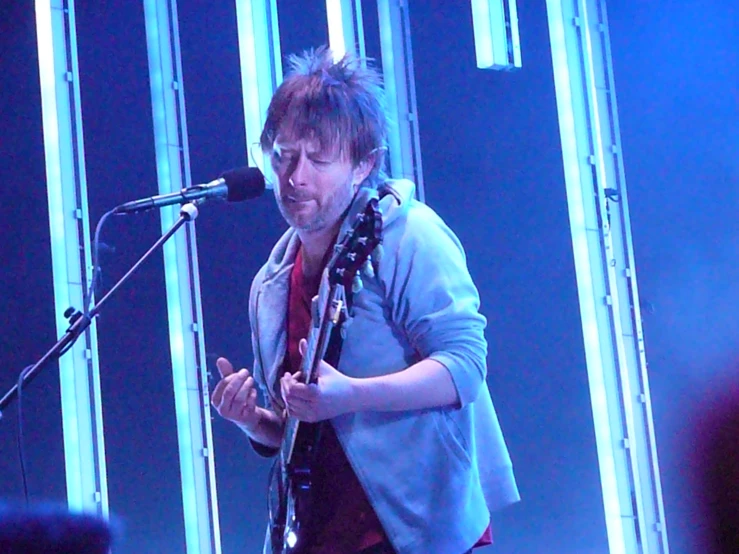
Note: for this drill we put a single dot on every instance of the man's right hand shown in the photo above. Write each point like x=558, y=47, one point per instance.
x=235, y=396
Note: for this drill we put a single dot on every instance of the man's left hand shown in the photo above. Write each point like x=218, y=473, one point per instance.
x=331, y=396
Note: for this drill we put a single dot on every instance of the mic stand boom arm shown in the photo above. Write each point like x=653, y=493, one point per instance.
x=79, y=321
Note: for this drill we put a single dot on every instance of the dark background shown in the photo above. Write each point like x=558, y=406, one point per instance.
x=492, y=168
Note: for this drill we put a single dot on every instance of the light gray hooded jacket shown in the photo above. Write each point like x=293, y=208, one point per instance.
x=432, y=476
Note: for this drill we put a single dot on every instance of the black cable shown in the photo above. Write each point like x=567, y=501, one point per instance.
x=87, y=301
x=21, y=450
x=87, y=304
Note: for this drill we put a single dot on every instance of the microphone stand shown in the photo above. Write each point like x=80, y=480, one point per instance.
x=79, y=321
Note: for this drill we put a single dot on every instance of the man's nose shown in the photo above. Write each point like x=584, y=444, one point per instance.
x=298, y=173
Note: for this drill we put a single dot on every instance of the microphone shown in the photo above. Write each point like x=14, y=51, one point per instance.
x=235, y=185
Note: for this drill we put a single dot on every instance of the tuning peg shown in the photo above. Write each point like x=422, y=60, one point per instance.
x=368, y=269
x=357, y=284
x=377, y=253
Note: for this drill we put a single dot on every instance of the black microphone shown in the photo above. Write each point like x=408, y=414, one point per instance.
x=235, y=185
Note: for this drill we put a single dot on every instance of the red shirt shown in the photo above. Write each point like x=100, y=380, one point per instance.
x=345, y=521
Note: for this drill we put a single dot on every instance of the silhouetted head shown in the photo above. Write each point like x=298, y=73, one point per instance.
x=52, y=530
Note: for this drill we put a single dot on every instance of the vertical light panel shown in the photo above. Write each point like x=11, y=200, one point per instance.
x=404, y=141
x=588, y=294
x=84, y=447
x=495, y=24
x=261, y=70
x=606, y=277
x=187, y=345
x=345, y=27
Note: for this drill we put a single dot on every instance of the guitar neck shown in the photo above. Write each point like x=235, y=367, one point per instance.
x=329, y=317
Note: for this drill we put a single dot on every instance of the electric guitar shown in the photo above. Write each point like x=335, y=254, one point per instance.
x=292, y=474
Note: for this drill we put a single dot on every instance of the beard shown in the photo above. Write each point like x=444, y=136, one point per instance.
x=325, y=215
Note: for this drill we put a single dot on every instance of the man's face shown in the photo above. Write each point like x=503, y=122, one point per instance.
x=314, y=186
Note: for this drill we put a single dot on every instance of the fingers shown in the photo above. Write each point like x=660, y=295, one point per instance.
x=235, y=396
x=300, y=399
x=294, y=403
x=227, y=391
x=302, y=410
x=241, y=395
x=284, y=386
x=288, y=382
x=236, y=383
x=217, y=395
x=302, y=346
x=295, y=391
x=251, y=402
x=224, y=367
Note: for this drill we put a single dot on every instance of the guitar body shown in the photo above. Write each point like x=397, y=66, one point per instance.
x=298, y=480
x=291, y=525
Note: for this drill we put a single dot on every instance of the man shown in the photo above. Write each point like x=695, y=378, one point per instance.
x=411, y=458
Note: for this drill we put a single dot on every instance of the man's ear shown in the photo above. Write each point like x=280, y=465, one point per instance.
x=364, y=168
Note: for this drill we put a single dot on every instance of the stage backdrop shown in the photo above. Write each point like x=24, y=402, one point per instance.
x=492, y=169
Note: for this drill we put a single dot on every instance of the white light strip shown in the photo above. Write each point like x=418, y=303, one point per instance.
x=481, y=25
x=387, y=38
x=515, y=37
x=249, y=76
x=164, y=113
x=626, y=393
x=494, y=48
x=345, y=28
x=336, y=30
x=84, y=450
x=586, y=288
x=404, y=142
x=51, y=132
x=261, y=71
x=184, y=314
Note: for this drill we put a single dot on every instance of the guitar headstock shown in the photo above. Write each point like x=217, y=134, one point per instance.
x=356, y=246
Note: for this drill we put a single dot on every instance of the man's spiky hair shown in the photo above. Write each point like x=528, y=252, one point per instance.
x=339, y=103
